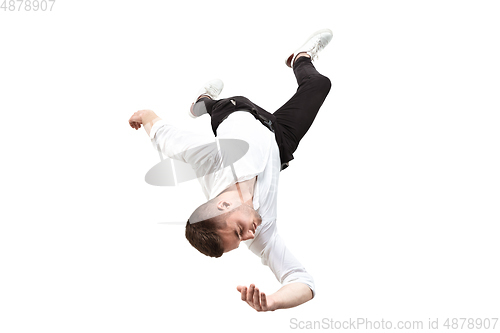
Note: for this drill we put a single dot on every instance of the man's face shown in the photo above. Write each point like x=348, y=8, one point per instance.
x=240, y=225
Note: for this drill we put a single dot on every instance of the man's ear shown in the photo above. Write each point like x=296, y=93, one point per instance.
x=223, y=205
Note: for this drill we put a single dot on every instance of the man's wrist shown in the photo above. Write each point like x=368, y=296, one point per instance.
x=149, y=118
x=273, y=301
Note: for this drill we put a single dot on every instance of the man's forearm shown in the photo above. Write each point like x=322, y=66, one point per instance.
x=292, y=295
x=148, y=120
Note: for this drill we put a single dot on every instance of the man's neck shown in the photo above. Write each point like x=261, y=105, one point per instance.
x=243, y=190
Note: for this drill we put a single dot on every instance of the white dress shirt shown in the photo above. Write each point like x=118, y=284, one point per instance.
x=261, y=160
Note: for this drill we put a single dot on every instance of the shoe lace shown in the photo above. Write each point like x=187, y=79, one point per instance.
x=317, y=47
x=211, y=91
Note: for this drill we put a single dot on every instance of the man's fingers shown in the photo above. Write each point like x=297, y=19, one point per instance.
x=135, y=120
x=244, y=293
x=263, y=301
x=250, y=293
x=134, y=123
x=253, y=297
x=256, y=299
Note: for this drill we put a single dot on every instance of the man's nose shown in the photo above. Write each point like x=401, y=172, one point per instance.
x=249, y=235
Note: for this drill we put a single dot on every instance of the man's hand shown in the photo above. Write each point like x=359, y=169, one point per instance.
x=136, y=120
x=257, y=300
x=143, y=117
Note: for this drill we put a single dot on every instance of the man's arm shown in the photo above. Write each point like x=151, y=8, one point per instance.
x=286, y=297
x=298, y=284
x=178, y=144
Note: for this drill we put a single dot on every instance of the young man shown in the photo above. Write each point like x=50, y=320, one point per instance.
x=242, y=198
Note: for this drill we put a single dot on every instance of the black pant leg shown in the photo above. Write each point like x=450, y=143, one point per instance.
x=296, y=116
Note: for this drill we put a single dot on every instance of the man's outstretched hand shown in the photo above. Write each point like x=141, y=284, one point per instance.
x=256, y=299
x=143, y=117
x=136, y=120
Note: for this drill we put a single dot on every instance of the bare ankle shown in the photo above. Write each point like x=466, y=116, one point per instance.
x=302, y=54
x=203, y=96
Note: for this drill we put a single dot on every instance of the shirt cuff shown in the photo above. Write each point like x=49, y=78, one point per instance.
x=155, y=128
x=302, y=277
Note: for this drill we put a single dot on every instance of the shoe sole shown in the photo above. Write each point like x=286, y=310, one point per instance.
x=291, y=57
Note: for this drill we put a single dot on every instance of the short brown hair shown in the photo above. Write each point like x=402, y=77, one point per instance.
x=202, y=226
x=204, y=237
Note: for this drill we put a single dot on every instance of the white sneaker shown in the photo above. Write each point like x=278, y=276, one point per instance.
x=312, y=46
x=211, y=89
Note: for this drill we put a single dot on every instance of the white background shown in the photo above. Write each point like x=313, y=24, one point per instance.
x=391, y=203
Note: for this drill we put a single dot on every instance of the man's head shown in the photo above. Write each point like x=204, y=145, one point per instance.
x=219, y=225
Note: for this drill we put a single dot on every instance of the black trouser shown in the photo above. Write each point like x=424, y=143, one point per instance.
x=291, y=121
